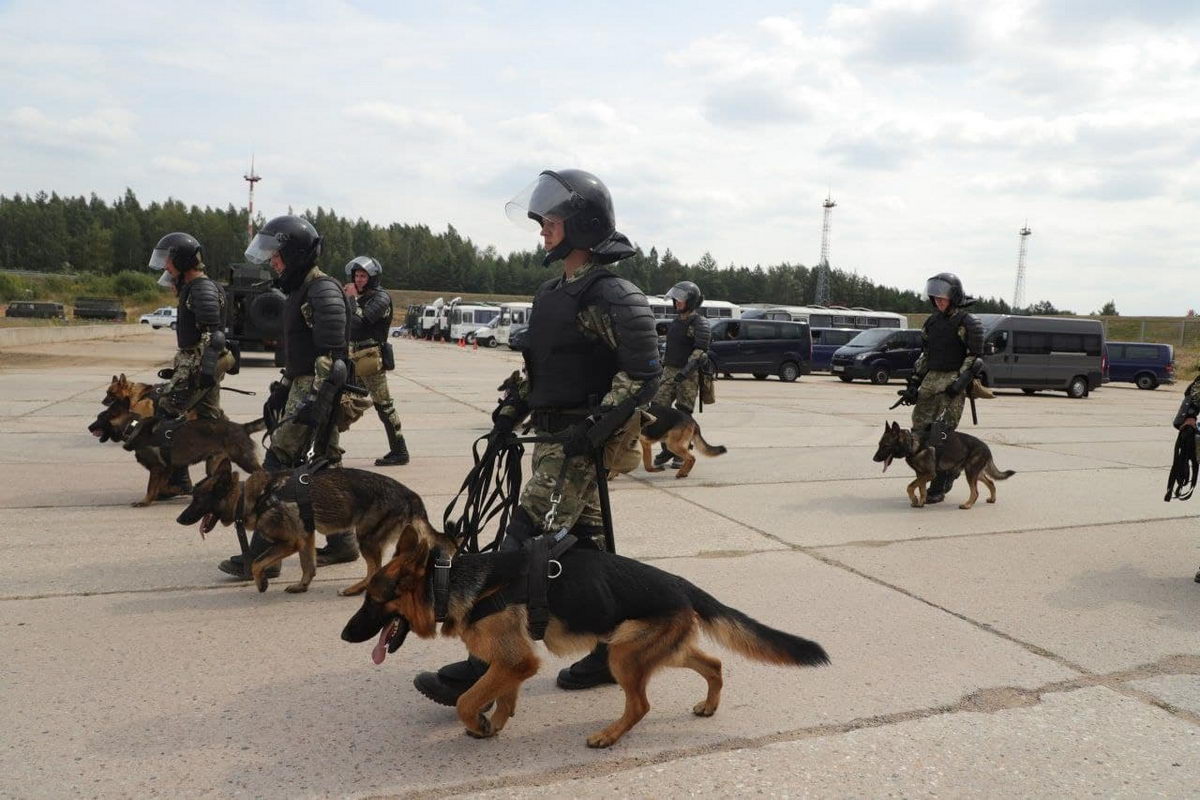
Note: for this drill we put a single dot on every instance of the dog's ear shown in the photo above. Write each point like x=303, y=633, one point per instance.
x=123, y=381
x=896, y=427
x=224, y=467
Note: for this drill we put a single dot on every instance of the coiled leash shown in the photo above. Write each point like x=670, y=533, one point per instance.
x=491, y=489
x=1185, y=468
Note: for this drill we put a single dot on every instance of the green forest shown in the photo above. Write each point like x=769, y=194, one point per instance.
x=47, y=233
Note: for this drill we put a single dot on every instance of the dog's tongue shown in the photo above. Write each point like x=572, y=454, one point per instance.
x=379, y=652
x=887, y=463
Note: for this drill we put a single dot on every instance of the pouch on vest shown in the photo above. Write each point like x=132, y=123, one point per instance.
x=623, y=451
x=389, y=357
x=350, y=409
x=367, y=361
x=708, y=388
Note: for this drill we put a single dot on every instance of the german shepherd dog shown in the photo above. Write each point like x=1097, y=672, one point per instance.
x=960, y=453
x=196, y=440
x=377, y=508
x=648, y=617
x=677, y=430
x=120, y=398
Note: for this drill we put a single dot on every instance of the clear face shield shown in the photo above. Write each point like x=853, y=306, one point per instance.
x=936, y=287
x=158, y=260
x=546, y=198
x=262, y=247
x=367, y=264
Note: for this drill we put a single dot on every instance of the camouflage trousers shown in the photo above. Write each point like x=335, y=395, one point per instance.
x=682, y=394
x=579, y=497
x=382, y=398
x=206, y=403
x=933, y=403
x=290, y=440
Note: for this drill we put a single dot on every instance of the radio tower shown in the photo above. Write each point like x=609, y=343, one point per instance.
x=1019, y=291
x=250, y=178
x=822, y=293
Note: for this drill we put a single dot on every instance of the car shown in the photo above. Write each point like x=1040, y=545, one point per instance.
x=1145, y=364
x=878, y=355
x=485, y=335
x=826, y=342
x=165, y=317
x=1043, y=353
x=36, y=310
x=518, y=337
x=761, y=348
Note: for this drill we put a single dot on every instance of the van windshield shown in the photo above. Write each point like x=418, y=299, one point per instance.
x=871, y=338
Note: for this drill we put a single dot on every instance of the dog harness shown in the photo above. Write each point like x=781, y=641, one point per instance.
x=531, y=589
x=298, y=490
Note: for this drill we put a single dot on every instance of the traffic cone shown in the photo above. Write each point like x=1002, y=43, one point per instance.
x=475, y=345
x=462, y=342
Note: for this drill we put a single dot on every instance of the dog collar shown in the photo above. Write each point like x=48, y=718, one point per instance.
x=441, y=584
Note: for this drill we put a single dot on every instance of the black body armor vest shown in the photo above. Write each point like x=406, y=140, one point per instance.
x=566, y=368
x=945, y=349
x=201, y=309
x=680, y=342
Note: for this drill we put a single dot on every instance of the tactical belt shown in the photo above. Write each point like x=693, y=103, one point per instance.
x=541, y=567
x=556, y=421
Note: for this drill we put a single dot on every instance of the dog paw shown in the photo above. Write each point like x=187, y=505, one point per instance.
x=601, y=740
x=351, y=591
x=679, y=475
x=296, y=588
x=485, y=728
x=260, y=581
x=991, y=499
x=965, y=506
x=703, y=709
x=140, y=503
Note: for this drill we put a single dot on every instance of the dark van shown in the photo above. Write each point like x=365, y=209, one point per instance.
x=826, y=341
x=879, y=354
x=1143, y=363
x=761, y=348
x=37, y=310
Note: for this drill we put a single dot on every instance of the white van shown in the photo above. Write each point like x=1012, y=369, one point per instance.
x=510, y=314
x=467, y=318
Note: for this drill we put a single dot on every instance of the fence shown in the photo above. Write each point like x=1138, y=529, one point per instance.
x=1181, y=332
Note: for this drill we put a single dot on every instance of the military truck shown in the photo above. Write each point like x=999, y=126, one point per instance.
x=99, y=308
x=254, y=315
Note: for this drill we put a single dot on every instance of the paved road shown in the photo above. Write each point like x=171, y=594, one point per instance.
x=1045, y=646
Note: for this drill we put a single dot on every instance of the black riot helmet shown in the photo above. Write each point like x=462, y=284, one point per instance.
x=689, y=293
x=184, y=252
x=296, y=241
x=368, y=265
x=583, y=204
x=947, y=284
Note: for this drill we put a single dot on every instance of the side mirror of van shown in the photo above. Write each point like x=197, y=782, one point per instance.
x=990, y=349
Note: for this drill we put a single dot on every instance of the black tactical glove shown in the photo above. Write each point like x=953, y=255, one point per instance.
x=502, y=428
x=306, y=411
x=277, y=396
x=578, y=442
x=960, y=384
x=908, y=395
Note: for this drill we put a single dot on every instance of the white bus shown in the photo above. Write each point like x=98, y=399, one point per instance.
x=467, y=318
x=511, y=314
x=664, y=309
x=831, y=316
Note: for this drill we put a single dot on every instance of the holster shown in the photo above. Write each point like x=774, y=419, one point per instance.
x=389, y=357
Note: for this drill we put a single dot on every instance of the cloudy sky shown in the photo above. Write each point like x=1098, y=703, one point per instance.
x=940, y=126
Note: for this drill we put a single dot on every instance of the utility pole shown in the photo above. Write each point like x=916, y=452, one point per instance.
x=1019, y=291
x=250, y=178
x=822, y=292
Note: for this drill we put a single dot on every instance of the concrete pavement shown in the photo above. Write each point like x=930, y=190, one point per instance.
x=1043, y=646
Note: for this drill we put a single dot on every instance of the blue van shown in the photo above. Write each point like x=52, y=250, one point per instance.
x=761, y=347
x=879, y=354
x=1144, y=363
x=825, y=342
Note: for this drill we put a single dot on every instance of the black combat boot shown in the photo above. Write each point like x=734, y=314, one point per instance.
x=397, y=454
x=588, y=672
x=664, y=456
x=938, y=488
x=340, y=548
x=180, y=483
x=259, y=544
x=450, y=682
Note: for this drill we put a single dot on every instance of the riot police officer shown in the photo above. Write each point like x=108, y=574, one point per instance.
x=315, y=344
x=952, y=341
x=370, y=322
x=687, y=348
x=592, y=361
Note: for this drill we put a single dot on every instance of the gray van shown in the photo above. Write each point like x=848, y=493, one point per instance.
x=1035, y=353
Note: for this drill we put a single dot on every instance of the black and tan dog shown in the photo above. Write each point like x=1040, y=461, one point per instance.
x=960, y=452
x=677, y=430
x=193, y=441
x=375, y=507
x=648, y=617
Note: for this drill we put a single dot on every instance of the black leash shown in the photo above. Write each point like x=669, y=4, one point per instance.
x=1185, y=468
x=491, y=488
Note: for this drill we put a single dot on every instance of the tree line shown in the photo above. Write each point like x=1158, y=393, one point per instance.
x=52, y=234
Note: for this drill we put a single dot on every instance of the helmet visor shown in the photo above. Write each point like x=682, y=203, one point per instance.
x=158, y=258
x=262, y=246
x=936, y=287
x=365, y=263
x=675, y=293
x=545, y=198
x=166, y=280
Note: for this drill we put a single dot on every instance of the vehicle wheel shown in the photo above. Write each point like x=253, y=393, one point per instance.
x=789, y=372
x=173, y=325
x=1078, y=387
x=492, y=342
x=727, y=376
x=1029, y=391
x=1146, y=381
x=880, y=375
x=145, y=322
x=760, y=376
x=845, y=378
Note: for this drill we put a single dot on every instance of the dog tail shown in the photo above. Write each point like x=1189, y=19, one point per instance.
x=254, y=426
x=704, y=447
x=751, y=638
x=995, y=473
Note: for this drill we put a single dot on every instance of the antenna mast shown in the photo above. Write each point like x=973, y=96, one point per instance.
x=1019, y=291
x=250, y=178
x=822, y=293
